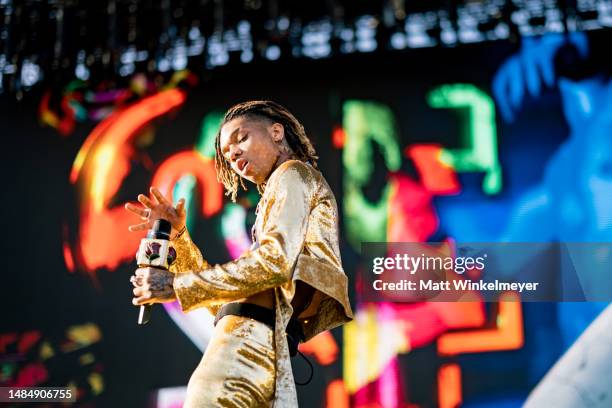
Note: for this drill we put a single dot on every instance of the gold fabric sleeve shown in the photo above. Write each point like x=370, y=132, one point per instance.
x=188, y=256
x=284, y=214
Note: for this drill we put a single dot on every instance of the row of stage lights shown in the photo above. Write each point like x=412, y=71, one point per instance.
x=55, y=40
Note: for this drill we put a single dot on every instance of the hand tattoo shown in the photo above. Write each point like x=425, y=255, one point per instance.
x=159, y=282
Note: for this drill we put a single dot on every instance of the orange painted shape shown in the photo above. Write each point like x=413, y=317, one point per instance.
x=336, y=395
x=111, y=157
x=508, y=335
x=338, y=137
x=68, y=259
x=93, y=137
x=437, y=177
x=98, y=172
x=105, y=240
x=323, y=347
x=202, y=168
x=460, y=315
x=449, y=386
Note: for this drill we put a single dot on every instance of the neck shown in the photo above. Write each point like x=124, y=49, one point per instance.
x=282, y=157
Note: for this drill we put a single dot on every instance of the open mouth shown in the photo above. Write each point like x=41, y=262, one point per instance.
x=241, y=164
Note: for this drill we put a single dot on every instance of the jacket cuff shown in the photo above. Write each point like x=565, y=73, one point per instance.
x=188, y=256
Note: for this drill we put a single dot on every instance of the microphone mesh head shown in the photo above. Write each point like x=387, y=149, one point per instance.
x=162, y=225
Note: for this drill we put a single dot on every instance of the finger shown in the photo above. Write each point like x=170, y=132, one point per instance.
x=136, y=280
x=142, y=273
x=180, y=207
x=144, y=200
x=142, y=300
x=138, y=227
x=137, y=210
x=160, y=197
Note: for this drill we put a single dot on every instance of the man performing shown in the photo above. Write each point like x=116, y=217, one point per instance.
x=288, y=287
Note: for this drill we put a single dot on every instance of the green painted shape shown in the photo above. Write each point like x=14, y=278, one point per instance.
x=365, y=122
x=184, y=189
x=479, y=137
x=210, y=126
x=205, y=145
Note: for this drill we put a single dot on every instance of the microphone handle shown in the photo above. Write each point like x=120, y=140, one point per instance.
x=144, y=315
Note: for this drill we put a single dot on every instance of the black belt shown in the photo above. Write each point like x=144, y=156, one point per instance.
x=294, y=331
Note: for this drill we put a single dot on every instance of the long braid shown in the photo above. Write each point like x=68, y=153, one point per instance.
x=295, y=135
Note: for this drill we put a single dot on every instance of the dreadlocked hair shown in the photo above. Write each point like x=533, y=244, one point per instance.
x=272, y=112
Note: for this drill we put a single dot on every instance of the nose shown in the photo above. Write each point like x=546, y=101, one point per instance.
x=234, y=153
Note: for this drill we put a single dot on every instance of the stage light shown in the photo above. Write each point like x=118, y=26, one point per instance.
x=2, y=64
x=179, y=53
x=194, y=33
x=246, y=56
x=416, y=30
x=283, y=23
x=30, y=73
x=197, y=47
x=448, y=37
x=273, y=52
x=502, y=31
x=81, y=71
x=244, y=27
x=142, y=56
x=366, y=34
x=316, y=39
x=398, y=41
x=346, y=34
x=127, y=69
x=431, y=26
x=605, y=13
x=217, y=51
x=163, y=65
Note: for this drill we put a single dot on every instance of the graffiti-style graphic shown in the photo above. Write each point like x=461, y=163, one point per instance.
x=78, y=102
x=406, y=213
x=98, y=171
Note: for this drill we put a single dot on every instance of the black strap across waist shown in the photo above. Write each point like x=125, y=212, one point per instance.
x=250, y=310
x=265, y=316
x=294, y=331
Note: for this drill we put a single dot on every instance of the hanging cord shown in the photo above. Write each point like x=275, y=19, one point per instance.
x=311, y=369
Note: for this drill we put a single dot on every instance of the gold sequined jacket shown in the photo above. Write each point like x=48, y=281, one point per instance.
x=296, y=238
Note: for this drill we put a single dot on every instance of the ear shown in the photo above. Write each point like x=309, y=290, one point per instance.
x=278, y=132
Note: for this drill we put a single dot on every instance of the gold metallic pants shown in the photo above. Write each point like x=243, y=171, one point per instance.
x=238, y=367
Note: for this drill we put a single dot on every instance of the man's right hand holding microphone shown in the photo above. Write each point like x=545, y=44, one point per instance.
x=154, y=285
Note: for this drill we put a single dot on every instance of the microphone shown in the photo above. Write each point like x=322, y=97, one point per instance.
x=155, y=251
